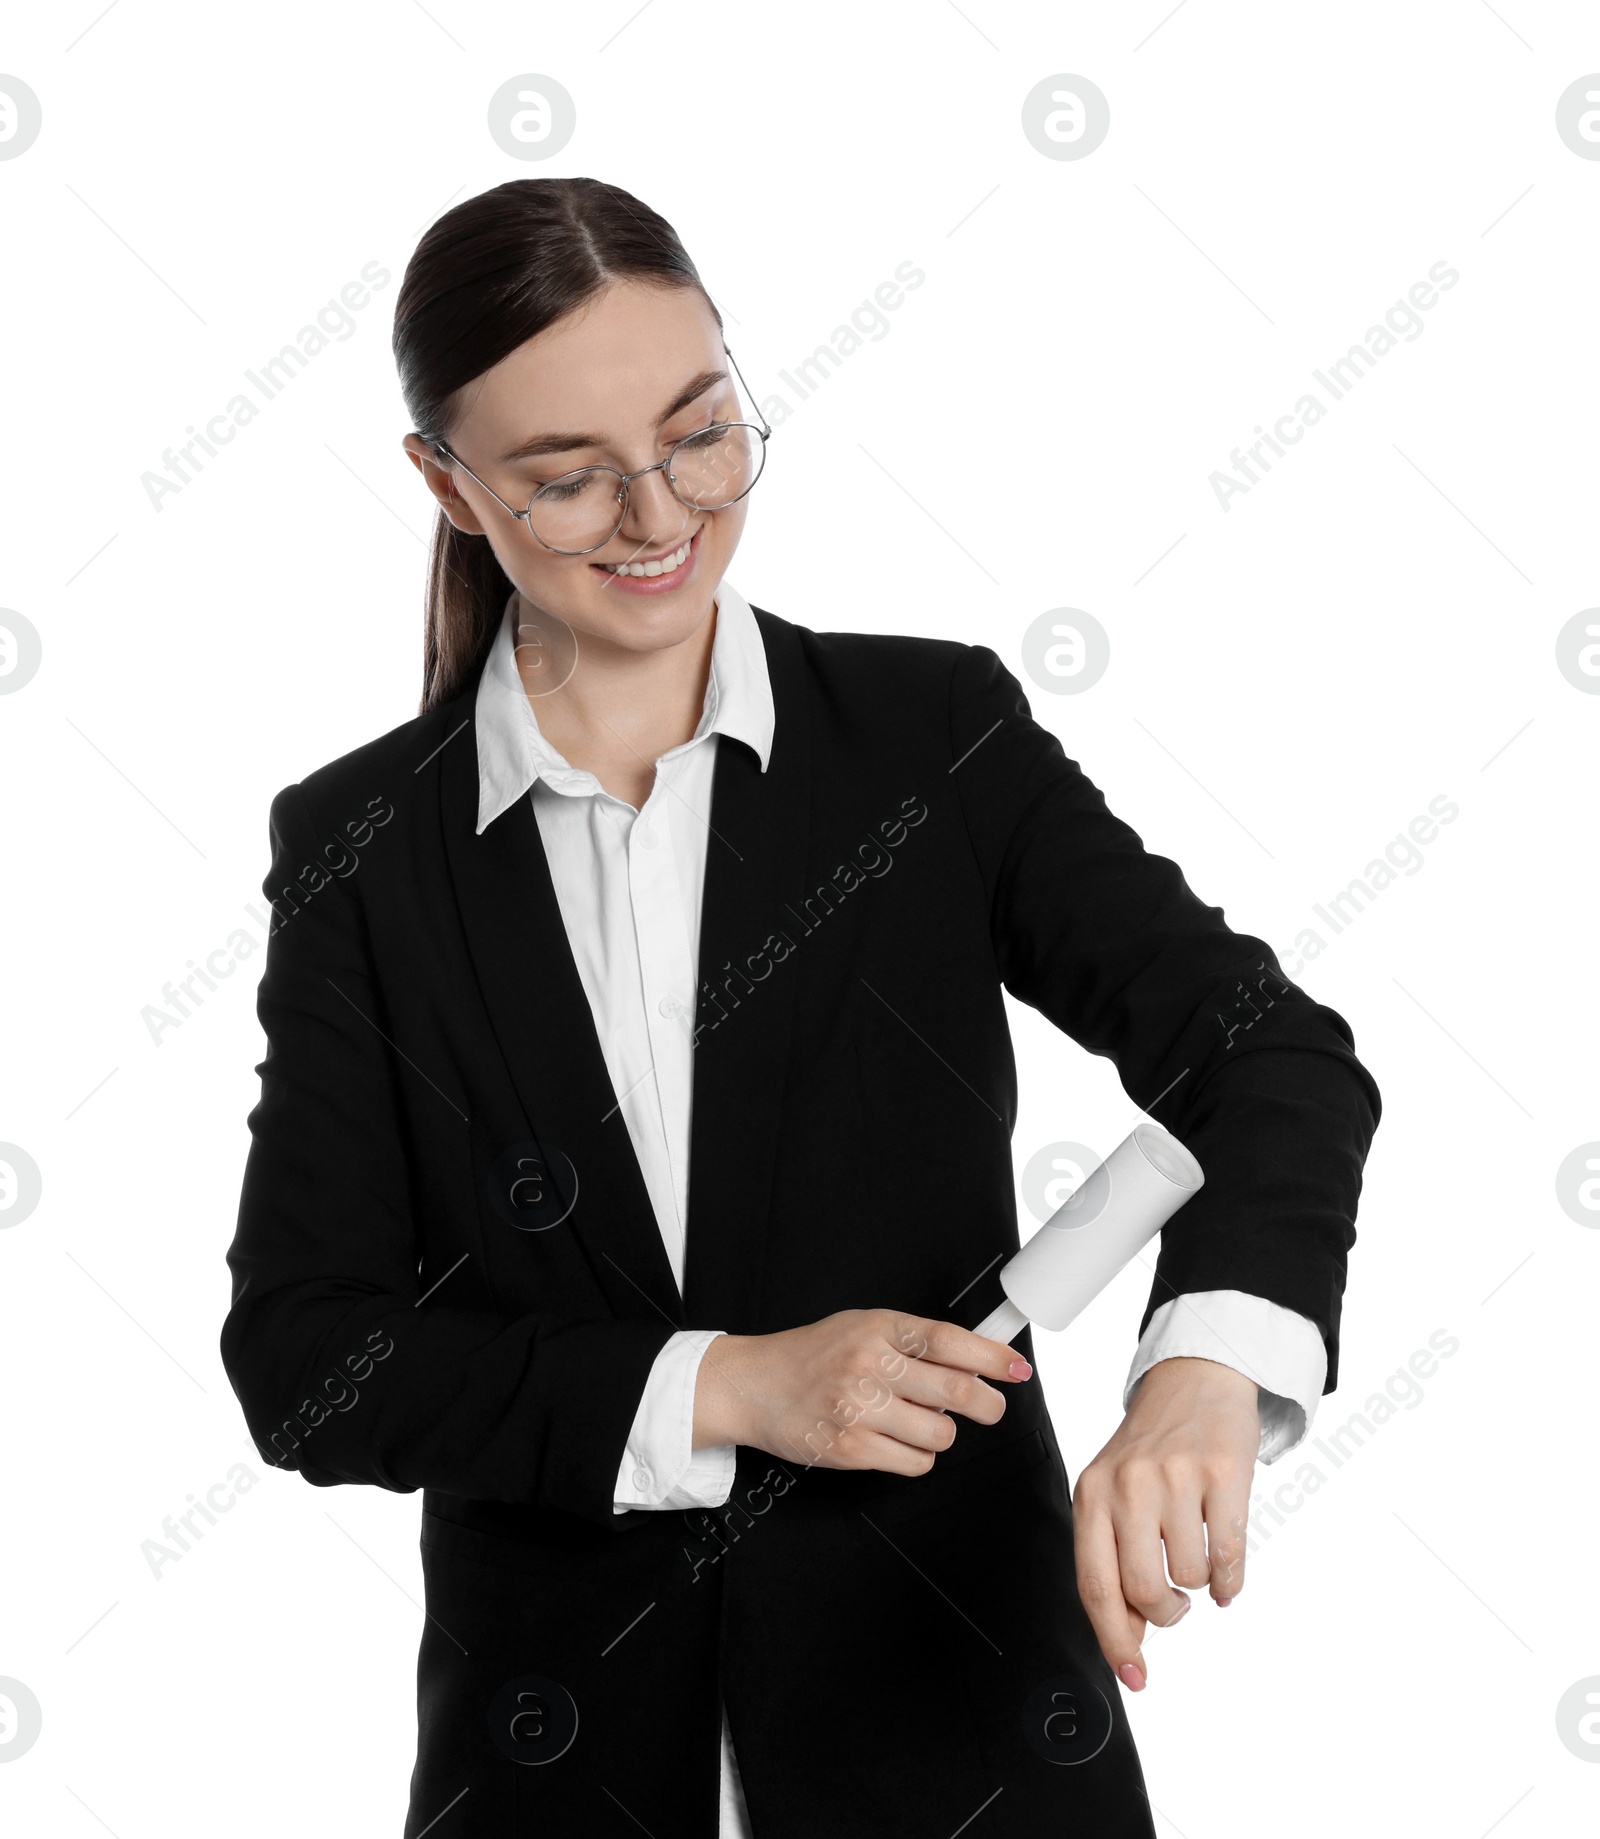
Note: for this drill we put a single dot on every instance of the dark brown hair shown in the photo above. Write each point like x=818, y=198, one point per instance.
x=488, y=276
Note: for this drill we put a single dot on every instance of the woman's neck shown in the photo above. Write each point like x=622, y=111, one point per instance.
x=613, y=711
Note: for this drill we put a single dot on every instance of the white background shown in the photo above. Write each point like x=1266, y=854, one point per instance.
x=1292, y=680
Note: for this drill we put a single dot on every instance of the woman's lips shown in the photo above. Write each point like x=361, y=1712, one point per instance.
x=654, y=584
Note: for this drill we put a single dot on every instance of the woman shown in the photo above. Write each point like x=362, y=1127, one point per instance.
x=634, y=1134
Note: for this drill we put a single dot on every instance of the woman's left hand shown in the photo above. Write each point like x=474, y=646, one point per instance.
x=1178, y=1474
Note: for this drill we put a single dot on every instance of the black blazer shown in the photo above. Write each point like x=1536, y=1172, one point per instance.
x=447, y=1274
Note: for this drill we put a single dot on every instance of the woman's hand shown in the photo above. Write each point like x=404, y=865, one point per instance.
x=863, y=1389
x=1178, y=1473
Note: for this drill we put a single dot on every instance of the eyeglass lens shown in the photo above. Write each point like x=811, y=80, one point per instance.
x=707, y=472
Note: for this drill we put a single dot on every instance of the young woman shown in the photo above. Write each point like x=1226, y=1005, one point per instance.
x=634, y=1134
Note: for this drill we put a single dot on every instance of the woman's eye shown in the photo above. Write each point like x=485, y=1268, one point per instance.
x=560, y=490
x=707, y=437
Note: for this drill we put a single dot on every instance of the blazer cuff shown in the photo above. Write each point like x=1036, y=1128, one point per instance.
x=660, y=1466
x=1278, y=1348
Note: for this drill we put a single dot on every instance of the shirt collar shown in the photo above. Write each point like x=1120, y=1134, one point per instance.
x=513, y=752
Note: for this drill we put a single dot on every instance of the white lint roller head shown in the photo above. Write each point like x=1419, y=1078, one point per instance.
x=1111, y=1215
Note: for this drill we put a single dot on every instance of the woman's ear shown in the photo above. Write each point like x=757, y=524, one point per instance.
x=441, y=481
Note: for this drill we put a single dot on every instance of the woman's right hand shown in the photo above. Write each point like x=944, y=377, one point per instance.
x=863, y=1389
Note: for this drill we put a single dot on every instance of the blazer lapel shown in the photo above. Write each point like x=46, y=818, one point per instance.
x=541, y=1018
x=756, y=857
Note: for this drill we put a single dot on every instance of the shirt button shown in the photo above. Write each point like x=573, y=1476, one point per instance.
x=647, y=837
x=641, y=1478
x=669, y=1007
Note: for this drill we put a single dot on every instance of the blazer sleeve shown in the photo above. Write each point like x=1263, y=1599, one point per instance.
x=1207, y=1035
x=346, y=1369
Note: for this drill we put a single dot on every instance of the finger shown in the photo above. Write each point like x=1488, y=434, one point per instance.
x=943, y=1388
x=1139, y=1561
x=911, y=1424
x=1183, y=1532
x=864, y=1447
x=1118, y=1630
x=1227, y=1510
x=947, y=1344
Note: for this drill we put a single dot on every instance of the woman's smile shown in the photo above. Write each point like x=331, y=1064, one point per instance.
x=658, y=573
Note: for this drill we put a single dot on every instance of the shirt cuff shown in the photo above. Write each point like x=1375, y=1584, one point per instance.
x=1280, y=1349
x=660, y=1466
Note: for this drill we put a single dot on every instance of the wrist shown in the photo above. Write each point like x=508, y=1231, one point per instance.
x=1188, y=1373
x=718, y=1393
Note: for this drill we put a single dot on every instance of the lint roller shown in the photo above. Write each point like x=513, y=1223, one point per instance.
x=1110, y=1216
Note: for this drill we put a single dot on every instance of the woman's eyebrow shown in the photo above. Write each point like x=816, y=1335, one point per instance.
x=565, y=443
x=696, y=386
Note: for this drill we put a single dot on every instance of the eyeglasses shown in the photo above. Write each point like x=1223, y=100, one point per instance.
x=582, y=510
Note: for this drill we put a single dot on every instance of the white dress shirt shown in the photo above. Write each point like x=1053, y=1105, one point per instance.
x=629, y=886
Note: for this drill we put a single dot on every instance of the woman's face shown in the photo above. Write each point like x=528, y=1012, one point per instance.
x=614, y=384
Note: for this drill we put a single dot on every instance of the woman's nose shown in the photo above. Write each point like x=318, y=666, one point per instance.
x=654, y=514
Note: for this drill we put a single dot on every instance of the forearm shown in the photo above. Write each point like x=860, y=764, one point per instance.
x=1282, y=1134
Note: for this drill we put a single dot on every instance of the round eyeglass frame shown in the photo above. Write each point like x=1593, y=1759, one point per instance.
x=662, y=466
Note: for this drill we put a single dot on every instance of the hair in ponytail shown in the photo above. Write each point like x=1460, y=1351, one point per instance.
x=489, y=275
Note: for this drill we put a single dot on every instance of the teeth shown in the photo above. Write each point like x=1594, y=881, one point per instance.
x=664, y=567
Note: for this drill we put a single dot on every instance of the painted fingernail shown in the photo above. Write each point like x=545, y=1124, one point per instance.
x=1131, y=1677
x=1019, y=1369
x=1222, y=1602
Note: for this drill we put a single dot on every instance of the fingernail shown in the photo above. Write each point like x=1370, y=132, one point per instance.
x=1019, y=1369
x=1222, y=1602
x=1131, y=1677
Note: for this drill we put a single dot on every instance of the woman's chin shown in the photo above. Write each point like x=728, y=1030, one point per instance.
x=653, y=628
x=644, y=625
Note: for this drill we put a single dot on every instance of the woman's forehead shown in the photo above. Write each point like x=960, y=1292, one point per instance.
x=622, y=362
